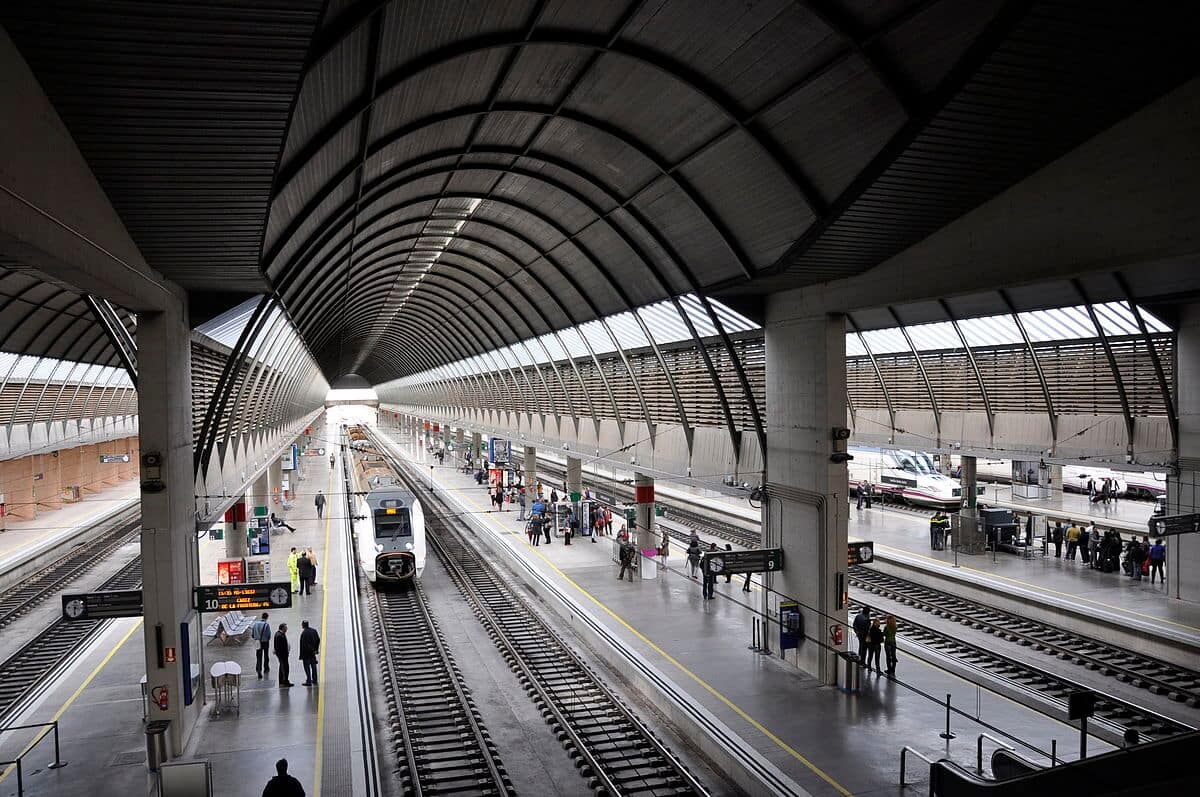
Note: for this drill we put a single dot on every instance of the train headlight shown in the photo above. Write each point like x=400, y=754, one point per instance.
x=378, y=548
x=408, y=546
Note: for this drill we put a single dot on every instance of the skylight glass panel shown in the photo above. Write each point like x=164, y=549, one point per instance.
x=573, y=341
x=553, y=347
x=992, y=330
x=885, y=341
x=937, y=336
x=628, y=331
x=854, y=347
x=699, y=316
x=599, y=340
x=664, y=322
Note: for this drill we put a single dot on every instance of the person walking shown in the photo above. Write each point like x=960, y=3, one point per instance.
x=283, y=784
x=282, y=650
x=693, y=556
x=535, y=530
x=310, y=646
x=319, y=502
x=710, y=579
x=312, y=557
x=889, y=645
x=294, y=570
x=260, y=632
x=553, y=496
x=746, y=584
x=572, y=527
x=1158, y=561
x=728, y=576
x=625, y=556
x=279, y=523
x=1093, y=550
x=304, y=572
x=874, y=645
x=331, y=462
x=861, y=491
x=862, y=630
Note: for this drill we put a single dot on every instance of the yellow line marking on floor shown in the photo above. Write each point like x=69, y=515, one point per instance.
x=324, y=617
x=71, y=700
x=700, y=681
x=1037, y=588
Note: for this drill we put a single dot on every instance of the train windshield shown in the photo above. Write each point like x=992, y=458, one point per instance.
x=393, y=525
x=914, y=462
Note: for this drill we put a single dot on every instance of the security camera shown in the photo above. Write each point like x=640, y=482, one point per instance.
x=841, y=433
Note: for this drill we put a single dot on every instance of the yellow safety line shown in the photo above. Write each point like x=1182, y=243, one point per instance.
x=1037, y=588
x=324, y=617
x=63, y=710
x=704, y=684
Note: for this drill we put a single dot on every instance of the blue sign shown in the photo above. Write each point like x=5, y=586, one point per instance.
x=499, y=449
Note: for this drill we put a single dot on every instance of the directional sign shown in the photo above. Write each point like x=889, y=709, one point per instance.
x=762, y=560
x=112, y=459
x=1170, y=525
x=102, y=605
x=861, y=553
x=243, y=597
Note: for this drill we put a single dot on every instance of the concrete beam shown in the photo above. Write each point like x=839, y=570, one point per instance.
x=54, y=215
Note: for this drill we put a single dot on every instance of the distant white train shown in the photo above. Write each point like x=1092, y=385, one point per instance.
x=1075, y=478
x=908, y=476
x=391, y=535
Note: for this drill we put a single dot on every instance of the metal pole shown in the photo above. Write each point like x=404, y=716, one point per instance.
x=58, y=762
x=947, y=735
x=1053, y=753
x=431, y=478
x=1082, y=738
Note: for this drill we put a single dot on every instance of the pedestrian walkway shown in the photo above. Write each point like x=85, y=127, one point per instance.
x=319, y=730
x=825, y=741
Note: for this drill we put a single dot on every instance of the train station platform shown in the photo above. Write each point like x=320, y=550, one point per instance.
x=321, y=731
x=23, y=541
x=813, y=738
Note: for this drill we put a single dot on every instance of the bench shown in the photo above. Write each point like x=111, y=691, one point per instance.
x=229, y=627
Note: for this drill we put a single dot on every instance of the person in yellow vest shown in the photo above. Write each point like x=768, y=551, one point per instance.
x=294, y=570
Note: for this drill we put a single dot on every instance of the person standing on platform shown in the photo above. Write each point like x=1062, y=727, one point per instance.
x=1091, y=489
x=553, y=496
x=304, y=572
x=260, y=632
x=331, y=462
x=312, y=557
x=1056, y=536
x=728, y=576
x=889, y=645
x=870, y=494
x=310, y=646
x=1072, y=540
x=520, y=504
x=607, y=520
x=282, y=651
x=625, y=556
x=1158, y=561
x=710, y=579
x=535, y=530
x=1083, y=544
x=874, y=645
x=548, y=524
x=1093, y=551
x=283, y=784
x=862, y=630
x=1138, y=553
x=294, y=570
x=693, y=556
x=319, y=503
x=572, y=527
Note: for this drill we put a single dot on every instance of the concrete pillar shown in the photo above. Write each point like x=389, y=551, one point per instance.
x=530, y=468
x=169, y=556
x=235, y=531
x=644, y=537
x=259, y=505
x=275, y=482
x=968, y=482
x=575, y=482
x=805, y=510
x=16, y=483
x=476, y=449
x=46, y=481
x=1183, y=491
x=89, y=469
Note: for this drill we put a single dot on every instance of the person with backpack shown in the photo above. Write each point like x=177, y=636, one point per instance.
x=260, y=632
x=710, y=578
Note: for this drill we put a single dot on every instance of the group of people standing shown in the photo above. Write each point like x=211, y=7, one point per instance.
x=1102, y=551
x=872, y=638
x=277, y=643
x=302, y=567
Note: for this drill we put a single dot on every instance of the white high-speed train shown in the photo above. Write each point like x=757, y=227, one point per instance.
x=391, y=535
x=909, y=476
x=1148, y=484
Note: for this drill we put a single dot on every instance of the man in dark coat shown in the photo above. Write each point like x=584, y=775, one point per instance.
x=304, y=567
x=282, y=649
x=310, y=646
x=283, y=784
x=319, y=502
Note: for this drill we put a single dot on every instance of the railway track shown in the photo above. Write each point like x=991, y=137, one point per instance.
x=52, y=578
x=440, y=741
x=617, y=753
x=1179, y=684
x=37, y=660
x=1054, y=688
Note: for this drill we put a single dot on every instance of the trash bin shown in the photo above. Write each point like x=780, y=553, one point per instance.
x=851, y=672
x=158, y=744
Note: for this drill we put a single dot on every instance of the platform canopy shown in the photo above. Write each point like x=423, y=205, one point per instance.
x=418, y=183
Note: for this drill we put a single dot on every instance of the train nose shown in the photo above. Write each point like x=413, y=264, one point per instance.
x=395, y=565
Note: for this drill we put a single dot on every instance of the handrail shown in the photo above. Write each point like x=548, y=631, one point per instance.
x=979, y=749
x=903, y=763
x=57, y=763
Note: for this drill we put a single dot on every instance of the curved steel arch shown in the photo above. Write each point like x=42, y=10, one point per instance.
x=1112, y=364
x=987, y=401
x=545, y=255
x=937, y=416
x=665, y=171
x=1037, y=364
x=1163, y=385
x=878, y=375
x=677, y=72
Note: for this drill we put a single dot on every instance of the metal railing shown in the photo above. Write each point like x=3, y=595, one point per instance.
x=979, y=749
x=57, y=763
x=904, y=761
